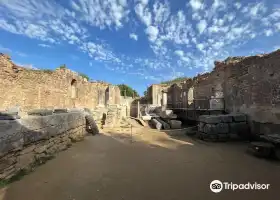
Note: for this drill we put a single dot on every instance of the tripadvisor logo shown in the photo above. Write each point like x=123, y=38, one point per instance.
x=217, y=186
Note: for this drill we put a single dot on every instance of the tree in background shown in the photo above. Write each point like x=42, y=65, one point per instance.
x=176, y=80
x=62, y=66
x=127, y=91
x=145, y=93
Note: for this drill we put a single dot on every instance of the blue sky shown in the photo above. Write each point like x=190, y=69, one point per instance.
x=136, y=42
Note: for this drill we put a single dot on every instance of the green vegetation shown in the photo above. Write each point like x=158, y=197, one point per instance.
x=145, y=93
x=176, y=80
x=127, y=91
x=49, y=71
x=84, y=76
x=62, y=66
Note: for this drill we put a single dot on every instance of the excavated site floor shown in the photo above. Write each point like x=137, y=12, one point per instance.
x=146, y=165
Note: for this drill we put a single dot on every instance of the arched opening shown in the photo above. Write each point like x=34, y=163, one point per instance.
x=73, y=89
x=107, y=94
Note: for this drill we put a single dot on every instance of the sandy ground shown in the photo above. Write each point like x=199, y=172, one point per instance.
x=149, y=166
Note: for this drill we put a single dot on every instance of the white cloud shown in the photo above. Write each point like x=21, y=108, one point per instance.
x=179, y=53
x=144, y=14
x=201, y=26
x=268, y=32
x=106, y=13
x=219, y=4
x=238, y=5
x=161, y=12
x=277, y=25
x=152, y=33
x=196, y=4
x=257, y=9
x=200, y=46
x=133, y=36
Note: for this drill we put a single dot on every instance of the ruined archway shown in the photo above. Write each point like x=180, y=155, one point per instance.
x=107, y=95
x=73, y=89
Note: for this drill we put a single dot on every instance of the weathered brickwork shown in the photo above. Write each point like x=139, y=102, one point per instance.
x=60, y=88
x=249, y=85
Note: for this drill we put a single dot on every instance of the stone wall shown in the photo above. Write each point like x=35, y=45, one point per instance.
x=26, y=142
x=223, y=127
x=250, y=85
x=60, y=88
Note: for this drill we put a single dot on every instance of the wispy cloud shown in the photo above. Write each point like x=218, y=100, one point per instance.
x=44, y=45
x=190, y=37
x=133, y=36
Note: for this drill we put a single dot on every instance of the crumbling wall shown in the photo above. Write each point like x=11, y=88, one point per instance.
x=249, y=85
x=61, y=88
x=252, y=86
x=28, y=141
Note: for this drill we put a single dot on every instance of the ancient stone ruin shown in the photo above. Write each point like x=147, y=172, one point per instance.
x=246, y=85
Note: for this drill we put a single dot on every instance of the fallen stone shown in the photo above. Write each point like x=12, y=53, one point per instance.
x=261, y=149
x=210, y=129
x=165, y=125
x=176, y=124
x=157, y=124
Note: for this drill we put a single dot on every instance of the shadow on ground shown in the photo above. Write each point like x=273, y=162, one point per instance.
x=151, y=166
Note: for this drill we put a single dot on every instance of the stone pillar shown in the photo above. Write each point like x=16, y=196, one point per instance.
x=138, y=109
x=164, y=100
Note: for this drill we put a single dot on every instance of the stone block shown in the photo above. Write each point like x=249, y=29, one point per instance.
x=40, y=112
x=7, y=161
x=239, y=128
x=9, y=172
x=33, y=136
x=10, y=127
x=210, y=119
x=222, y=128
x=25, y=160
x=175, y=124
x=40, y=149
x=28, y=149
x=239, y=117
x=210, y=129
x=164, y=124
x=226, y=118
x=11, y=142
x=157, y=124
x=201, y=126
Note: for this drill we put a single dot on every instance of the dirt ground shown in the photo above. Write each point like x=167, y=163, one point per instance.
x=148, y=166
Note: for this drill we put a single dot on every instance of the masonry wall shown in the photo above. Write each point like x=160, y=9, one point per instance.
x=26, y=142
x=32, y=89
x=249, y=85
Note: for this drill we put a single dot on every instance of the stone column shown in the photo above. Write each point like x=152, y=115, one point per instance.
x=164, y=100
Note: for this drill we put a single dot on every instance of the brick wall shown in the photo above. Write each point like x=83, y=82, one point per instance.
x=249, y=85
x=31, y=89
